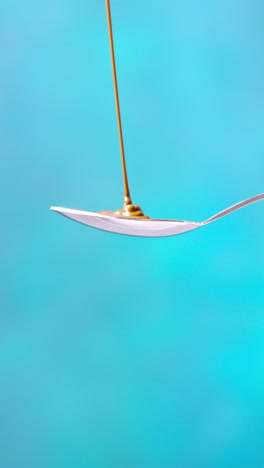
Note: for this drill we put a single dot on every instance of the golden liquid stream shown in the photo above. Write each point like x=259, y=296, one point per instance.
x=128, y=210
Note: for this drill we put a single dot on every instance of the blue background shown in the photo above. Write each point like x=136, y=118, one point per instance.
x=121, y=352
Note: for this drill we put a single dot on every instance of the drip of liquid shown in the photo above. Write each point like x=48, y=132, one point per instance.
x=128, y=210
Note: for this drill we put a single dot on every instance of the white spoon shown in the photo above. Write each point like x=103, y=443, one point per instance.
x=145, y=227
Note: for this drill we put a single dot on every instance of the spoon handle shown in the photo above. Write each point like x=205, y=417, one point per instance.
x=235, y=207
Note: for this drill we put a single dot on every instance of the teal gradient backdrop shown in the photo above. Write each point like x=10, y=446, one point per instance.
x=121, y=352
